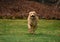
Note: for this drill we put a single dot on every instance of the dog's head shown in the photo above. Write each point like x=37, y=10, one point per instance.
x=32, y=14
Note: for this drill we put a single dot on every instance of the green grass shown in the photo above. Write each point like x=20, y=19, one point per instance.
x=17, y=31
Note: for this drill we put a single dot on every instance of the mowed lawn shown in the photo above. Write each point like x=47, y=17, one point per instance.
x=17, y=31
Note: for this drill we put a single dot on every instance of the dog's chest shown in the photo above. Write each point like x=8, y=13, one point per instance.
x=33, y=22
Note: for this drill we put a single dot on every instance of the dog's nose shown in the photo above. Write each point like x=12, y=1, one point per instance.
x=32, y=16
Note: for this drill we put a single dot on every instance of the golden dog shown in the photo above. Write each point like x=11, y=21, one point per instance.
x=32, y=22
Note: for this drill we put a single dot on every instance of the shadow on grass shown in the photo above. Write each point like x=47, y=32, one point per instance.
x=42, y=35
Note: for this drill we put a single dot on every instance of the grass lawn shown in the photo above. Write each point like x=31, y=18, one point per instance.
x=17, y=31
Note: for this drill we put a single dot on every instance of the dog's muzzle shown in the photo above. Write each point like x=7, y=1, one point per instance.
x=32, y=16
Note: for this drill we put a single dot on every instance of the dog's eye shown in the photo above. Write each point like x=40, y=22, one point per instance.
x=31, y=13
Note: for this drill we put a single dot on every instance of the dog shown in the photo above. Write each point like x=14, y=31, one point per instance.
x=32, y=22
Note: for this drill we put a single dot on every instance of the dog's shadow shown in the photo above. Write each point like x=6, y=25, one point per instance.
x=40, y=35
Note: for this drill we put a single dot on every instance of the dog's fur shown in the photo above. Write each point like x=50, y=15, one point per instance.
x=32, y=22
